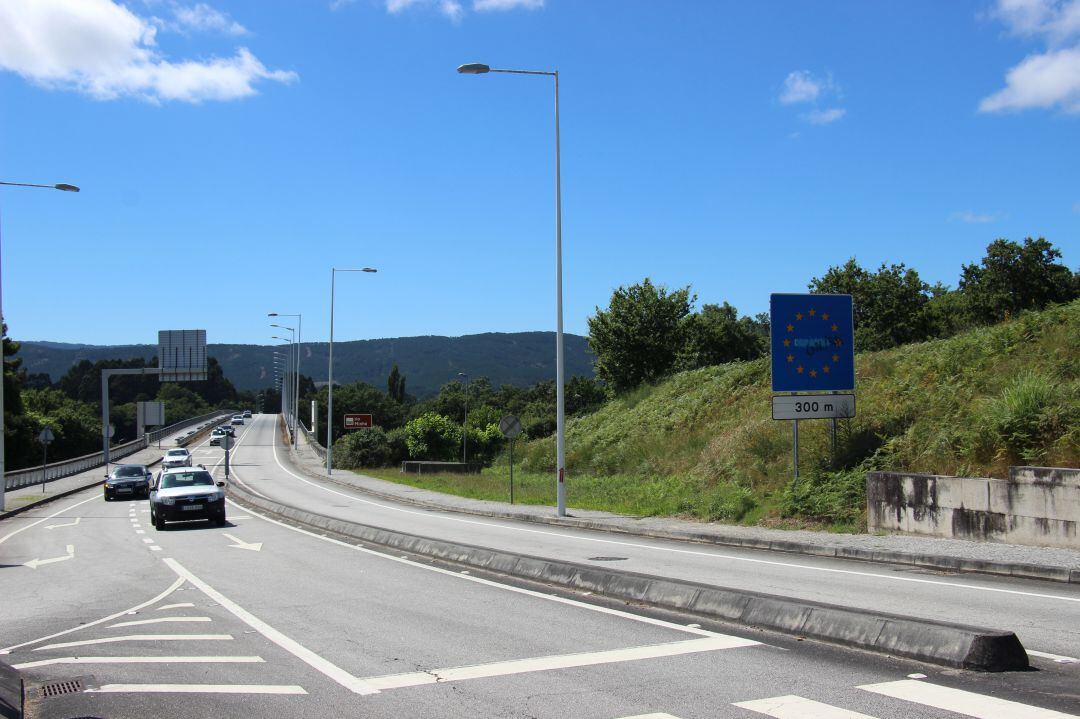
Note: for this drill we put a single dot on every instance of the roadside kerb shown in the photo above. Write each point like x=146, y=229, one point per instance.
x=98, y=482
x=925, y=561
x=11, y=692
x=954, y=645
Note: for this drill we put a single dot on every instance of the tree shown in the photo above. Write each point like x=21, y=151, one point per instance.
x=359, y=397
x=636, y=339
x=1013, y=277
x=395, y=384
x=888, y=304
x=434, y=437
x=367, y=447
x=716, y=335
x=12, y=377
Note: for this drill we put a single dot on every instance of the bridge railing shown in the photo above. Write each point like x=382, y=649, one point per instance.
x=58, y=470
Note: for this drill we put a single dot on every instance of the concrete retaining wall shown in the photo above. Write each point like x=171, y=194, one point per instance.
x=1037, y=506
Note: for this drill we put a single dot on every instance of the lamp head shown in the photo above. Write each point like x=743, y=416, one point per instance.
x=473, y=68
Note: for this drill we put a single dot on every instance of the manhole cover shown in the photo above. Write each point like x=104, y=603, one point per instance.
x=55, y=689
x=608, y=559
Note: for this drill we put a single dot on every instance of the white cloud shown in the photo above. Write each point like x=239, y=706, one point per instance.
x=103, y=49
x=800, y=86
x=824, y=117
x=451, y=9
x=201, y=17
x=975, y=218
x=487, y=5
x=1048, y=79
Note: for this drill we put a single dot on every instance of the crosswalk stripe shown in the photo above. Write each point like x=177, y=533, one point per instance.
x=961, y=702
x=140, y=638
x=199, y=689
x=659, y=715
x=159, y=620
x=140, y=660
x=796, y=707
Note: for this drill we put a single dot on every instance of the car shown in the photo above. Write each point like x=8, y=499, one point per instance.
x=228, y=429
x=216, y=435
x=247, y=414
x=186, y=493
x=238, y=419
x=179, y=457
x=128, y=480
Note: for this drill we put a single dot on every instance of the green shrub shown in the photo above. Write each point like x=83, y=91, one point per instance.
x=433, y=437
x=362, y=448
x=1027, y=416
x=837, y=497
x=399, y=446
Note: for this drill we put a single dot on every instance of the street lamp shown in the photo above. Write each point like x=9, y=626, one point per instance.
x=296, y=378
x=477, y=68
x=299, y=329
x=330, y=371
x=63, y=188
x=285, y=394
x=465, y=424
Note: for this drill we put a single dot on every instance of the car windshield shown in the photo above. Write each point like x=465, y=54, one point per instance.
x=186, y=479
x=176, y=453
x=132, y=470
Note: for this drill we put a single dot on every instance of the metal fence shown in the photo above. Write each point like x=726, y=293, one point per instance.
x=58, y=470
x=313, y=441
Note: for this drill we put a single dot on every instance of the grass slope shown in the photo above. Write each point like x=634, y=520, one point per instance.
x=703, y=443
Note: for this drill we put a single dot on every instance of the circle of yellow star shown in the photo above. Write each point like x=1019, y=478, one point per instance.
x=799, y=369
x=835, y=328
x=813, y=373
x=812, y=312
x=825, y=316
x=787, y=343
x=798, y=315
x=791, y=328
x=825, y=369
x=791, y=358
x=836, y=358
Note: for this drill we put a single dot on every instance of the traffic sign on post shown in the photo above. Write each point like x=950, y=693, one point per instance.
x=358, y=421
x=813, y=406
x=813, y=343
x=46, y=435
x=510, y=426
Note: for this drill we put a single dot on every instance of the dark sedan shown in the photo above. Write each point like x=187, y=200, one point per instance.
x=128, y=480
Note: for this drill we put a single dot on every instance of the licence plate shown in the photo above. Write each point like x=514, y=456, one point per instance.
x=187, y=507
x=122, y=490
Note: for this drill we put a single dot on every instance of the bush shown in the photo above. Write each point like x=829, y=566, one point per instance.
x=1027, y=416
x=363, y=448
x=433, y=437
x=399, y=447
x=837, y=497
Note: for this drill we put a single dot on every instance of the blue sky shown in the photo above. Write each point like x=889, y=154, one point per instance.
x=232, y=152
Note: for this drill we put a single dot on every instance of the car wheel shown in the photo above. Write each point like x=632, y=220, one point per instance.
x=159, y=522
x=107, y=497
x=220, y=520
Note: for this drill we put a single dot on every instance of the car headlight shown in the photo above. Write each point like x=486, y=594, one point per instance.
x=219, y=495
x=169, y=501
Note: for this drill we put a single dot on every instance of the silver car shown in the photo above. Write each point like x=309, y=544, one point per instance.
x=179, y=457
x=185, y=493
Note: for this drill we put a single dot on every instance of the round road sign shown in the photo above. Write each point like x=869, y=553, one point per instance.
x=46, y=435
x=510, y=426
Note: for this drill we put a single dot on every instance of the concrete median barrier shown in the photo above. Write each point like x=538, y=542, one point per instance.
x=953, y=645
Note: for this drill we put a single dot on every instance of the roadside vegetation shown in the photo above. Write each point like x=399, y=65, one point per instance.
x=966, y=381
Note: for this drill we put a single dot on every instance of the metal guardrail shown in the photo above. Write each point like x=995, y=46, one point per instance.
x=58, y=470
x=313, y=442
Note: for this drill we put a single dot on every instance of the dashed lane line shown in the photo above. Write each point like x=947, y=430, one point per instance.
x=962, y=702
x=796, y=707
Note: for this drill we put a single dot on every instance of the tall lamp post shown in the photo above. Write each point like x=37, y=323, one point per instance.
x=295, y=402
x=560, y=399
x=63, y=188
x=465, y=424
x=330, y=371
x=290, y=371
x=282, y=372
x=299, y=339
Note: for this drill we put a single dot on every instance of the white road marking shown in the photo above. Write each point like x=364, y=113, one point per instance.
x=299, y=651
x=960, y=701
x=795, y=707
x=635, y=545
x=35, y=563
x=497, y=585
x=199, y=689
x=562, y=661
x=172, y=588
x=1055, y=657
x=241, y=544
x=9, y=535
x=140, y=531
x=140, y=660
x=66, y=524
x=175, y=606
x=159, y=620
x=148, y=540
x=154, y=548
x=658, y=715
x=141, y=638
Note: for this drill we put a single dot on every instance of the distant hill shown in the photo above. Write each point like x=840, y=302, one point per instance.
x=519, y=358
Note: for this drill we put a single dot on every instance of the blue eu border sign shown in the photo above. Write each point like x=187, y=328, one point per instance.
x=813, y=343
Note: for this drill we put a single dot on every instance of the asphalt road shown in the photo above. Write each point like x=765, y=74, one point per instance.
x=1045, y=615
x=262, y=619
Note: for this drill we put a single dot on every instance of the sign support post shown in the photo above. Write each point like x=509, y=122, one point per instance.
x=45, y=438
x=510, y=426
